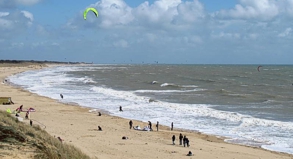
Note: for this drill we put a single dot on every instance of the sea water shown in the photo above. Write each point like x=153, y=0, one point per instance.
x=248, y=106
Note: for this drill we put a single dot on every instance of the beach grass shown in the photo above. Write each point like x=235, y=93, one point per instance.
x=18, y=138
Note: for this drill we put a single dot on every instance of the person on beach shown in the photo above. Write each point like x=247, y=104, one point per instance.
x=19, y=109
x=99, y=114
x=173, y=139
x=189, y=153
x=150, y=126
x=130, y=124
x=120, y=109
x=184, y=140
x=187, y=142
x=172, y=126
x=31, y=122
x=27, y=115
x=61, y=95
x=157, y=126
x=99, y=128
x=180, y=139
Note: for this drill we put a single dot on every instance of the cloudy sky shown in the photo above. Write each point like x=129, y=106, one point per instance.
x=139, y=31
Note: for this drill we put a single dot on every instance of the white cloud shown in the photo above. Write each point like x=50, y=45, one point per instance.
x=14, y=23
x=252, y=9
x=27, y=2
x=164, y=14
x=121, y=43
x=28, y=15
x=191, y=11
x=8, y=4
x=285, y=33
x=3, y=14
x=223, y=35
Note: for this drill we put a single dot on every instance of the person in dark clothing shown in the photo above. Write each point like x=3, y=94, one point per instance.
x=187, y=142
x=100, y=129
x=157, y=125
x=130, y=124
x=184, y=140
x=180, y=139
x=189, y=153
x=172, y=126
x=61, y=95
x=150, y=125
x=120, y=109
x=173, y=139
x=99, y=114
x=31, y=122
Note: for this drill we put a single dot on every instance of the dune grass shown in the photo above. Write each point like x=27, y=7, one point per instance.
x=44, y=146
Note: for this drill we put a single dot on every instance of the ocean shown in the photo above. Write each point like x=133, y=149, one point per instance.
x=246, y=105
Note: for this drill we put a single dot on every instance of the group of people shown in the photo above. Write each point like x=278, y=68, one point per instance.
x=181, y=138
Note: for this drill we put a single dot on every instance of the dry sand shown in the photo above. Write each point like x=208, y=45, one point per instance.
x=79, y=127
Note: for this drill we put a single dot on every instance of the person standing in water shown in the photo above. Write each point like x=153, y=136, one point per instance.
x=172, y=126
x=120, y=109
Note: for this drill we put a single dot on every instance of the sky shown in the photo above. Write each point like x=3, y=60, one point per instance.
x=139, y=31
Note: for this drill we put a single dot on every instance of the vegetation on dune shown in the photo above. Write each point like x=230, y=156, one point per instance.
x=19, y=137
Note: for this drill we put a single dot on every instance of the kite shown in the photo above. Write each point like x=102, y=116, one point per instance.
x=90, y=9
x=258, y=68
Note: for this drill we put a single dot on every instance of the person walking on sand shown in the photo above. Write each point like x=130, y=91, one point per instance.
x=180, y=139
x=172, y=126
x=173, y=139
x=31, y=122
x=157, y=126
x=130, y=124
x=120, y=109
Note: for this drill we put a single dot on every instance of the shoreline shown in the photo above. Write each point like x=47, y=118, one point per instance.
x=55, y=115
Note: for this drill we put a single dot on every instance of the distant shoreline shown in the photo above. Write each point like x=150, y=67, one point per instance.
x=39, y=62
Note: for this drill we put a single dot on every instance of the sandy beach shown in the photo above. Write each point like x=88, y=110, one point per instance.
x=77, y=126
